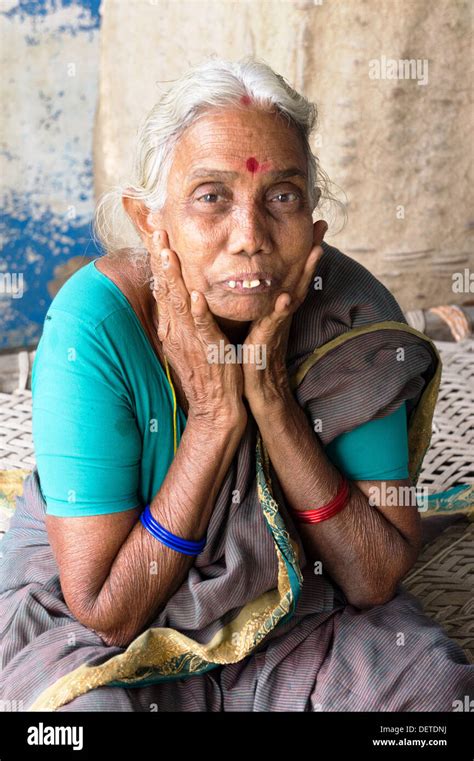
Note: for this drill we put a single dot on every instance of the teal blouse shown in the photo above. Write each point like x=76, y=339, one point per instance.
x=103, y=409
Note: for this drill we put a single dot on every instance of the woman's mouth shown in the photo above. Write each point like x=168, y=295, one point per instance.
x=247, y=286
x=253, y=283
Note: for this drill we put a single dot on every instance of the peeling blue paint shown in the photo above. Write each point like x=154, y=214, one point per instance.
x=34, y=247
x=90, y=11
x=37, y=231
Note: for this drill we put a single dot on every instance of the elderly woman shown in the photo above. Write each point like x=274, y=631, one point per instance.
x=211, y=524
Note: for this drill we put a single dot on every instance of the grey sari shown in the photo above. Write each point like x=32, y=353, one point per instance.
x=253, y=627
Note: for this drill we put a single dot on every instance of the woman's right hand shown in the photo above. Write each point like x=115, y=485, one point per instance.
x=186, y=330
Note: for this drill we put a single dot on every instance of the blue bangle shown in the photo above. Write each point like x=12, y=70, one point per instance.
x=184, y=546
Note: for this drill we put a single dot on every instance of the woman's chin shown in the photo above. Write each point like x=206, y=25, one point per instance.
x=241, y=308
x=241, y=313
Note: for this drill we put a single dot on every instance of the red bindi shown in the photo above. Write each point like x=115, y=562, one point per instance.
x=252, y=164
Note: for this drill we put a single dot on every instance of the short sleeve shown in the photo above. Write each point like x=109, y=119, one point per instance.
x=86, y=441
x=376, y=450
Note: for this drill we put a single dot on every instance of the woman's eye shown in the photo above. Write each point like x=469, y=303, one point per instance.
x=211, y=198
x=208, y=195
x=288, y=193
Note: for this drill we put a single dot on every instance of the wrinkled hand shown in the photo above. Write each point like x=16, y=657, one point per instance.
x=186, y=330
x=269, y=384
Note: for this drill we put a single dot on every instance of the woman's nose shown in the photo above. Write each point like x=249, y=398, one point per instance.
x=249, y=232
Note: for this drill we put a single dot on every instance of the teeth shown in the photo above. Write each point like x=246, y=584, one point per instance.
x=248, y=283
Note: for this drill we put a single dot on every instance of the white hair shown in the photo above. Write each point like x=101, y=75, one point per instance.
x=213, y=84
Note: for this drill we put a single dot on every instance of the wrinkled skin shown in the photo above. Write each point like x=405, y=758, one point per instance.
x=214, y=228
x=252, y=223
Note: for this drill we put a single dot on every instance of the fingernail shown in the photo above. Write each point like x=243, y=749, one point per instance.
x=194, y=295
x=165, y=260
x=156, y=237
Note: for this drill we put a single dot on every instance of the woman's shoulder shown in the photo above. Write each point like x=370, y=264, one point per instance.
x=349, y=290
x=90, y=295
x=344, y=295
x=89, y=321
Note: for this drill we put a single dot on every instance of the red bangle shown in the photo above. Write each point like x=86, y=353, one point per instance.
x=327, y=511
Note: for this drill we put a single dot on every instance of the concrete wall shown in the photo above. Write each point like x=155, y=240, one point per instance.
x=49, y=58
x=398, y=147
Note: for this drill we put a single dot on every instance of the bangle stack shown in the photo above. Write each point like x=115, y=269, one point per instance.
x=186, y=547
x=327, y=511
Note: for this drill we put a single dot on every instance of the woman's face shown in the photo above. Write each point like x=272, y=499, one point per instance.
x=231, y=218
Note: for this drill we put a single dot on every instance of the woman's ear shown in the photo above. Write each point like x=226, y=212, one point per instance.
x=141, y=217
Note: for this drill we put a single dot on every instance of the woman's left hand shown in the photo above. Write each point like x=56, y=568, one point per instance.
x=267, y=382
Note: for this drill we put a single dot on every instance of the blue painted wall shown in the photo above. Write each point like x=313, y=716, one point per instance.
x=50, y=87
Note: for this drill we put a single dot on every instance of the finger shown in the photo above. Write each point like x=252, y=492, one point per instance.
x=163, y=325
x=160, y=294
x=162, y=307
x=286, y=303
x=307, y=275
x=311, y=263
x=204, y=319
x=154, y=249
x=270, y=324
x=159, y=284
x=178, y=294
x=156, y=243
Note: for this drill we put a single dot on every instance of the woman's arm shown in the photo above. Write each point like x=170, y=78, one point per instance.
x=366, y=549
x=115, y=576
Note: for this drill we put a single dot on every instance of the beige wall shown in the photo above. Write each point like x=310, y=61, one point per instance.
x=400, y=150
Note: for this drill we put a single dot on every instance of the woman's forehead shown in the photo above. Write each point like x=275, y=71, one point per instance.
x=239, y=141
